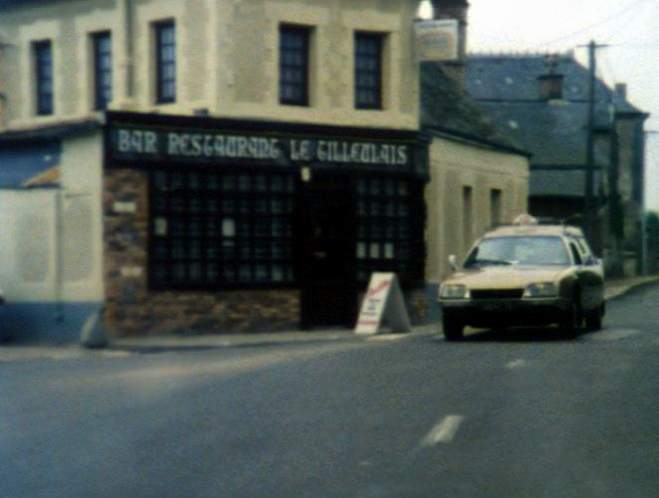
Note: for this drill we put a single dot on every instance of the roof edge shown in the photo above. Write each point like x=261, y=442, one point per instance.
x=440, y=131
x=50, y=131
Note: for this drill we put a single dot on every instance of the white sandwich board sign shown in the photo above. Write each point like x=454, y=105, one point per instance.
x=383, y=306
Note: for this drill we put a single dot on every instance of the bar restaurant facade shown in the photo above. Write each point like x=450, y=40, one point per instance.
x=234, y=225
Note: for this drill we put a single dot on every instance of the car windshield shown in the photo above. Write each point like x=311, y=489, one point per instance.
x=521, y=250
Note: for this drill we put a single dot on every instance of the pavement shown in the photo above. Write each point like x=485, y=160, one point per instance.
x=123, y=346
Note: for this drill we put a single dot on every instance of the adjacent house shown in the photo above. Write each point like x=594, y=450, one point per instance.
x=479, y=177
x=543, y=103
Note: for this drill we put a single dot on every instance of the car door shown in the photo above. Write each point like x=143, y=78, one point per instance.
x=589, y=280
x=595, y=269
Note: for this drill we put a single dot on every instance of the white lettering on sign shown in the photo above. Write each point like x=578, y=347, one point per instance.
x=215, y=145
x=144, y=142
x=383, y=306
x=209, y=146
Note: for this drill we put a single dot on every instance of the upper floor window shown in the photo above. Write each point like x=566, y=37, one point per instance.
x=368, y=70
x=43, y=58
x=294, y=65
x=102, y=70
x=165, y=62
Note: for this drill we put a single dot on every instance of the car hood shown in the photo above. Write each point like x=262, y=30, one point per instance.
x=505, y=277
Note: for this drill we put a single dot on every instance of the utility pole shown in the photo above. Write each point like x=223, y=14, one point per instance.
x=644, y=228
x=589, y=205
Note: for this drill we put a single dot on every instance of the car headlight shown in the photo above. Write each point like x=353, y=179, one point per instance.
x=542, y=289
x=454, y=291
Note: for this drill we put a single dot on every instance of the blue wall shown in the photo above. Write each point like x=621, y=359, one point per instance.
x=44, y=322
x=19, y=163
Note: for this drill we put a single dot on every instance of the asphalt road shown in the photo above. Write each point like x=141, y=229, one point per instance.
x=523, y=414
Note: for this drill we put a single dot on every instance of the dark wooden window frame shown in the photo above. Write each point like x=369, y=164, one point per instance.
x=102, y=52
x=165, y=95
x=390, y=223
x=43, y=64
x=369, y=50
x=294, y=51
x=235, y=227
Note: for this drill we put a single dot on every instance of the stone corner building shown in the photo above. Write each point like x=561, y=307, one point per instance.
x=208, y=165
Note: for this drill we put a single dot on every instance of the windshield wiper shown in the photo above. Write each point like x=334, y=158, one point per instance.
x=491, y=262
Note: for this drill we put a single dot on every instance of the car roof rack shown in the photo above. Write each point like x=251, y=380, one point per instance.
x=571, y=224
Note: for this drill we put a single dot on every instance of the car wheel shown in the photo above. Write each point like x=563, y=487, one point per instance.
x=594, y=319
x=570, y=322
x=452, y=329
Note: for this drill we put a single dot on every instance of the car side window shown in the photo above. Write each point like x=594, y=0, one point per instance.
x=575, y=254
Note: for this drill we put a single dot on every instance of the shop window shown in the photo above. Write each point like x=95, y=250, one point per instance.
x=165, y=34
x=102, y=47
x=242, y=239
x=294, y=65
x=43, y=60
x=368, y=70
x=390, y=228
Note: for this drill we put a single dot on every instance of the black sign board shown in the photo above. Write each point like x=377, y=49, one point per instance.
x=141, y=145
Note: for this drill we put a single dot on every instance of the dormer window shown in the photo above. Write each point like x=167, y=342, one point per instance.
x=551, y=86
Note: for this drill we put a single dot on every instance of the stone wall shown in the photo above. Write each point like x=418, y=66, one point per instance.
x=226, y=53
x=133, y=309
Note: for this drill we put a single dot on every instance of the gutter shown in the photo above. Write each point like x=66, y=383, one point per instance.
x=49, y=132
x=440, y=131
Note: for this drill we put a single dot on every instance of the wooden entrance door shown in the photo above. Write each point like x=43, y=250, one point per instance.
x=328, y=260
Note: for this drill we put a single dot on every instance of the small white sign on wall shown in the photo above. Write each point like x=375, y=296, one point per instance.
x=124, y=207
x=383, y=306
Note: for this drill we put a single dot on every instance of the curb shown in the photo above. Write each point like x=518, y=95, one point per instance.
x=624, y=290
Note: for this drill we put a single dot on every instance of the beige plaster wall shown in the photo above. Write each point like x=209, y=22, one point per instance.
x=227, y=58
x=453, y=166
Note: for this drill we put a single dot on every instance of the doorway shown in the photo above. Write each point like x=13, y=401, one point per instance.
x=327, y=265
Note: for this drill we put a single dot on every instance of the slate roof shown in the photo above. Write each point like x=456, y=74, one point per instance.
x=447, y=108
x=511, y=77
x=559, y=182
x=555, y=132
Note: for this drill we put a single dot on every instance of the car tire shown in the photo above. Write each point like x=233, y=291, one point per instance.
x=594, y=319
x=570, y=322
x=453, y=329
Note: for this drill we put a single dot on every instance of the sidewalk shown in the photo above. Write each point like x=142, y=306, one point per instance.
x=123, y=346
x=618, y=287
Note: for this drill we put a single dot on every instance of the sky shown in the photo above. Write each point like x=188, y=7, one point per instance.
x=629, y=27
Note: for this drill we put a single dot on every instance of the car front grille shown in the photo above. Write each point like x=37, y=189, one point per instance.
x=497, y=293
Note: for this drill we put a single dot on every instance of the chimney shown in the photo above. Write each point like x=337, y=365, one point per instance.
x=621, y=90
x=551, y=84
x=455, y=9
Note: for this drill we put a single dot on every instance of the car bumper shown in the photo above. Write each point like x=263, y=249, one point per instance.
x=492, y=312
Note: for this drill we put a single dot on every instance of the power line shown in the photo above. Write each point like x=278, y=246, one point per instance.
x=609, y=68
x=625, y=25
x=626, y=9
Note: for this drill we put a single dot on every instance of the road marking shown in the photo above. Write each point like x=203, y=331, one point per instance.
x=443, y=432
x=613, y=334
x=388, y=337
x=116, y=354
x=519, y=363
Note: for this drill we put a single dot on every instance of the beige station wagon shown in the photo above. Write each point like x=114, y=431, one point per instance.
x=525, y=274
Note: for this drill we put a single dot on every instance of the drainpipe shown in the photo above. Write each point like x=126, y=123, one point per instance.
x=125, y=66
x=3, y=96
x=59, y=303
